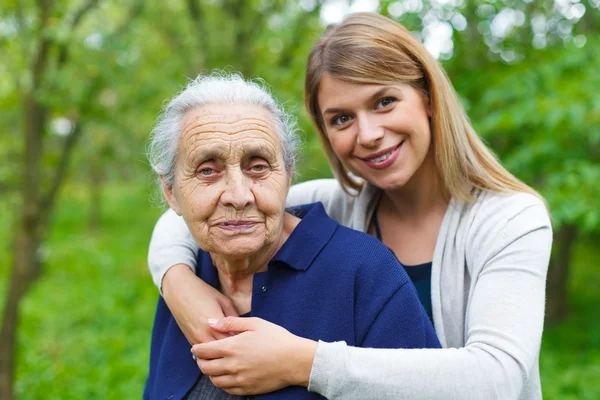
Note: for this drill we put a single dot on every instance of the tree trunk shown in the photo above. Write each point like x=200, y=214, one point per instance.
x=26, y=264
x=26, y=269
x=558, y=275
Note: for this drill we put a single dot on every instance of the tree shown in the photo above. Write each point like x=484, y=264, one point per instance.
x=50, y=31
x=542, y=119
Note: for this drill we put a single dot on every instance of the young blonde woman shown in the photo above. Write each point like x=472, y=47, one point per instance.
x=428, y=187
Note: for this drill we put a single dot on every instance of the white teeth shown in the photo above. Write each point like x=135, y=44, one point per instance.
x=381, y=158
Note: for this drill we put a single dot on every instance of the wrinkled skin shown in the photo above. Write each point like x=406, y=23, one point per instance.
x=230, y=187
x=230, y=168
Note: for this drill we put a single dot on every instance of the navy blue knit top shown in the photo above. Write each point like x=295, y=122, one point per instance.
x=327, y=282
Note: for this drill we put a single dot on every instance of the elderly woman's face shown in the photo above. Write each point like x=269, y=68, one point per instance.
x=230, y=182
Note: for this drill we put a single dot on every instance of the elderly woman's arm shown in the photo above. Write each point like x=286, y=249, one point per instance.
x=172, y=263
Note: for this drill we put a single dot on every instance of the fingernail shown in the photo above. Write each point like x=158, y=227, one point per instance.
x=191, y=350
x=212, y=321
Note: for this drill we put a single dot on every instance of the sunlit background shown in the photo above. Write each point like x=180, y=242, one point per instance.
x=81, y=82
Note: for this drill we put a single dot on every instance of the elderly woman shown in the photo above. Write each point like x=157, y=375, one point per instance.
x=224, y=151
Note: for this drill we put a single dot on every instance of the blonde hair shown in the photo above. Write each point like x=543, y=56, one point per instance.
x=370, y=48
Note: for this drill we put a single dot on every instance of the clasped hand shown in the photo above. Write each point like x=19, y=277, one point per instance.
x=258, y=357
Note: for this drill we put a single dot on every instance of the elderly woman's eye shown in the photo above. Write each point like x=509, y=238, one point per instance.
x=207, y=171
x=259, y=168
x=385, y=102
x=340, y=119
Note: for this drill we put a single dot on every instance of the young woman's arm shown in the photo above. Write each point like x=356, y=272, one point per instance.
x=503, y=337
x=503, y=334
x=172, y=263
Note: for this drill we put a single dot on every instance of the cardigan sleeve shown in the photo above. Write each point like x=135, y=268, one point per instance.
x=171, y=244
x=503, y=333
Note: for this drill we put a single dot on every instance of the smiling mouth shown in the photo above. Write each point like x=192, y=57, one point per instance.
x=382, y=157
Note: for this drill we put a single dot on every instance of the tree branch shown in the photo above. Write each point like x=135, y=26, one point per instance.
x=196, y=16
x=134, y=12
x=41, y=58
x=60, y=173
x=63, y=53
x=65, y=155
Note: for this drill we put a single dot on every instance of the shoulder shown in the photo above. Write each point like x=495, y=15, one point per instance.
x=496, y=220
x=338, y=204
x=367, y=258
x=494, y=212
x=323, y=190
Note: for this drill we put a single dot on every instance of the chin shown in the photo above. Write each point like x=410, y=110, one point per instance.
x=393, y=182
x=240, y=248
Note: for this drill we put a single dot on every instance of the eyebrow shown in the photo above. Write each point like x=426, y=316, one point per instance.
x=212, y=153
x=374, y=96
x=256, y=150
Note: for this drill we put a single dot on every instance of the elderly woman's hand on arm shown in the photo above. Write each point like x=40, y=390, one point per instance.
x=249, y=364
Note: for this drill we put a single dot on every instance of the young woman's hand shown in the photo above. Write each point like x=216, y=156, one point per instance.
x=192, y=302
x=261, y=357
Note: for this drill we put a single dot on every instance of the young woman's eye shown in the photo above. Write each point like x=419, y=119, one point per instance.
x=340, y=119
x=385, y=102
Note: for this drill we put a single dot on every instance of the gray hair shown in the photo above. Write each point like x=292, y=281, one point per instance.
x=216, y=88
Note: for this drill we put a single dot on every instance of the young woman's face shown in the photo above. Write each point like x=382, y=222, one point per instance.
x=380, y=132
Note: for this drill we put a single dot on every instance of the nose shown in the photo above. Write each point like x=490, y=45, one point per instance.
x=369, y=131
x=237, y=194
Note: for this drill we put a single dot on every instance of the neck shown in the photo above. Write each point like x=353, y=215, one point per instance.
x=421, y=195
x=236, y=274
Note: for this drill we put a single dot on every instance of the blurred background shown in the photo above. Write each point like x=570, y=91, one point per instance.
x=81, y=82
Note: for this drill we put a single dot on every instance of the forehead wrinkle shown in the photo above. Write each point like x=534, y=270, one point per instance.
x=208, y=115
x=229, y=128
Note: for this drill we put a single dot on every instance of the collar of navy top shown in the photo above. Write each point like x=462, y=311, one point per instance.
x=299, y=251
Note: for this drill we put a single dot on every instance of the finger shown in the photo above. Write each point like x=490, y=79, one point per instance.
x=227, y=307
x=226, y=382
x=220, y=335
x=233, y=324
x=234, y=385
x=212, y=350
x=216, y=367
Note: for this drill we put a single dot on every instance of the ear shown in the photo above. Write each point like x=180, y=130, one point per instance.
x=169, y=195
x=428, y=106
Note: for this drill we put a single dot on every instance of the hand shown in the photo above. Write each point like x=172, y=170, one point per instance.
x=261, y=358
x=192, y=302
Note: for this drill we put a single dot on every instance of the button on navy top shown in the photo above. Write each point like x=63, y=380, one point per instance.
x=327, y=282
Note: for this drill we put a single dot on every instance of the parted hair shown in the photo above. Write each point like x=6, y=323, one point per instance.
x=372, y=49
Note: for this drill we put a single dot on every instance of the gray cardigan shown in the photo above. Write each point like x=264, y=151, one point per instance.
x=488, y=294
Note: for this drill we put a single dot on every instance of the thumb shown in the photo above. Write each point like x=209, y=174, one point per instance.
x=227, y=307
x=232, y=324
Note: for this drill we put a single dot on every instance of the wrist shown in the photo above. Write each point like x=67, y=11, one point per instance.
x=304, y=354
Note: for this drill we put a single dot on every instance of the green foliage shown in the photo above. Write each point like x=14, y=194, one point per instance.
x=543, y=119
x=85, y=331
x=570, y=357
